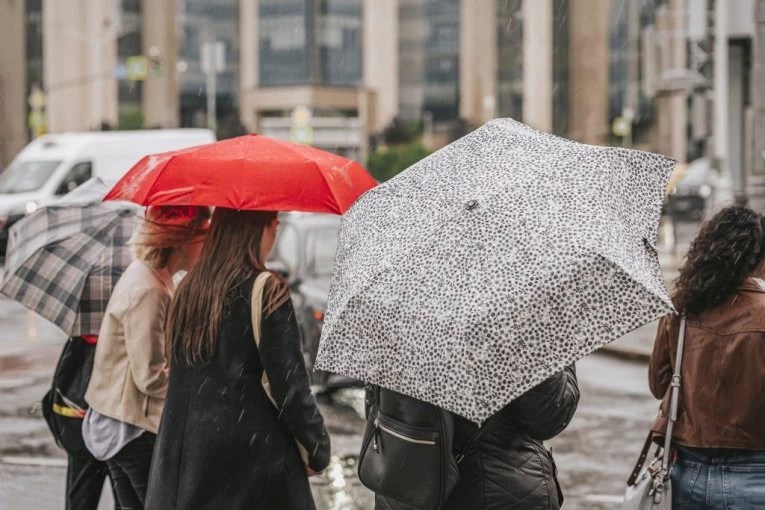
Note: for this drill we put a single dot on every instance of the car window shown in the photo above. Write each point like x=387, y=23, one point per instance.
x=322, y=246
x=287, y=246
x=25, y=176
x=78, y=174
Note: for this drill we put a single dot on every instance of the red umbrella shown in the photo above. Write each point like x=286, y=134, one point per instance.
x=247, y=173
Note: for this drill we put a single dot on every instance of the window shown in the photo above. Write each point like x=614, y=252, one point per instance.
x=287, y=247
x=322, y=246
x=24, y=176
x=78, y=174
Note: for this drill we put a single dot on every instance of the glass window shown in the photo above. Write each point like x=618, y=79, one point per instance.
x=283, y=27
x=200, y=21
x=322, y=246
x=510, y=54
x=310, y=42
x=24, y=176
x=287, y=248
x=77, y=176
x=429, y=58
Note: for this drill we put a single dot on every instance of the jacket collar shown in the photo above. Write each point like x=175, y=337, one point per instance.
x=753, y=284
x=163, y=275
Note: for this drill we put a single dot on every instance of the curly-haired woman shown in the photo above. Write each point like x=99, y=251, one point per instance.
x=719, y=437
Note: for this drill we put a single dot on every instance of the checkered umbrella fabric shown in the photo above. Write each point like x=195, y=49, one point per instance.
x=69, y=280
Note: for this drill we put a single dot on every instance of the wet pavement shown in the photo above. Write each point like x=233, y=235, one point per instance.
x=594, y=455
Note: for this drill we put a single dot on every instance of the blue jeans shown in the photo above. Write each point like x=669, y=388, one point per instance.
x=717, y=479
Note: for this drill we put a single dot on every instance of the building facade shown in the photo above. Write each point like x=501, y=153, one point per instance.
x=334, y=72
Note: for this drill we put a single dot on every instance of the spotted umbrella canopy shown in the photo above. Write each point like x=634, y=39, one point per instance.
x=492, y=264
x=64, y=260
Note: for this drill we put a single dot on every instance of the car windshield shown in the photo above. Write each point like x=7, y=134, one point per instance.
x=23, y=176
x=324, y=244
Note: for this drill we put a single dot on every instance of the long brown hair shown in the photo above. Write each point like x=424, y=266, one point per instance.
x=231, y=251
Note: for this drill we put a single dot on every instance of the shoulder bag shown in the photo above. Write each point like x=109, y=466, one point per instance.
x=651, y=488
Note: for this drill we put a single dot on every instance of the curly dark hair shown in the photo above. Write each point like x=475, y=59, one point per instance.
x=727, y=249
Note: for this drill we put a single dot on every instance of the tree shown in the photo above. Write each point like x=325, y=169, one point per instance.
x=400, y=132
x=390, y=161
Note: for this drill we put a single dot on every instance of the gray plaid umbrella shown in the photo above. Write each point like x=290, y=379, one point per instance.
x=490, y=265
x=63, y=262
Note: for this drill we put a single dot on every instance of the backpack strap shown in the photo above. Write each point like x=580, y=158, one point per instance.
x=474, y=438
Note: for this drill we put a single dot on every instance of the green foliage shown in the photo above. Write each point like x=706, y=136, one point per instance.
x=400, y=132
x=390, y=161
x=130, y=118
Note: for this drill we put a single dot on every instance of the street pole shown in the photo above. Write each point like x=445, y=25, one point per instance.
x=212, y=82
x=723, y=190
x=213, y=62
x=758, y=94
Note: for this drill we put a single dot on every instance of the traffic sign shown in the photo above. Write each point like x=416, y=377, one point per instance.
x=622, y=126
x=301, y=116
x=301, y=134
x=37, y=98
x=138, y=67
x=213, y=57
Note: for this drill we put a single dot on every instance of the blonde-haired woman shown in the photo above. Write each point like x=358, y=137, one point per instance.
x=127, y=388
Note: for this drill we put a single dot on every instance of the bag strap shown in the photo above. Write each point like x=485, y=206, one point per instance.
x=672, y=415
x=641, y=460
x=674, y=397
x=256, y=313
x=257, y=304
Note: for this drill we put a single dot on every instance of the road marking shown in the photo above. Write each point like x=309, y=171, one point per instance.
x=34, y=461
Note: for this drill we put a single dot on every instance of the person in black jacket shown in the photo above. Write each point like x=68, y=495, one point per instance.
x=224, y=440
x=509, y=467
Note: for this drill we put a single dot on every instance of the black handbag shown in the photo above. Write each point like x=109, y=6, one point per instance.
x=64, y=406
x=407, y=451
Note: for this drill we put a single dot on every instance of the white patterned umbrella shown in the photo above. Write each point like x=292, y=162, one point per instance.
x=492, y=264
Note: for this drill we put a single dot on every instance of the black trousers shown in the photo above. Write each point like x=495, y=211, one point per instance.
x=129, y=471
x=84, y=480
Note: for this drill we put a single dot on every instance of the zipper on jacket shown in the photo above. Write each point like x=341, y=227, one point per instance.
x=146, y=406
x=393, y=433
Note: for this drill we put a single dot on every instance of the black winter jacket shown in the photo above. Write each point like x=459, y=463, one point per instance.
x=509, y=468
x=221, y=442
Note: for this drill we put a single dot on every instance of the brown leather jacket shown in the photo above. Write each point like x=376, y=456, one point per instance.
x=722, y=402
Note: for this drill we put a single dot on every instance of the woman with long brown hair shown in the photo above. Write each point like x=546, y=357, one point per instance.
x=241, y=428
x=718, y=440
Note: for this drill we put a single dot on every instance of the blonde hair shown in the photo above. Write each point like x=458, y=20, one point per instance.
x=165, y=229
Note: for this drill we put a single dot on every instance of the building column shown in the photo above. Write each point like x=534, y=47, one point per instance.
x=13, y=82
x=478, y=60
x=380, y=58
x=79, y=53
x=160, y=90
x=249, y=62
x=537, y=63
x=589, y=22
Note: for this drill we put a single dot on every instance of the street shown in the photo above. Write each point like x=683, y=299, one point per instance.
x=594, y=456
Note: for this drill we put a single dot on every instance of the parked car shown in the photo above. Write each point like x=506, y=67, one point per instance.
x=55, y=164
x=305, y=254
x=691, y=188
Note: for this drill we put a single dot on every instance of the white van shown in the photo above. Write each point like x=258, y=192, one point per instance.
x=55, y=164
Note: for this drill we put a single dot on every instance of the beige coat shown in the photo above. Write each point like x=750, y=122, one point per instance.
x=129, y=379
